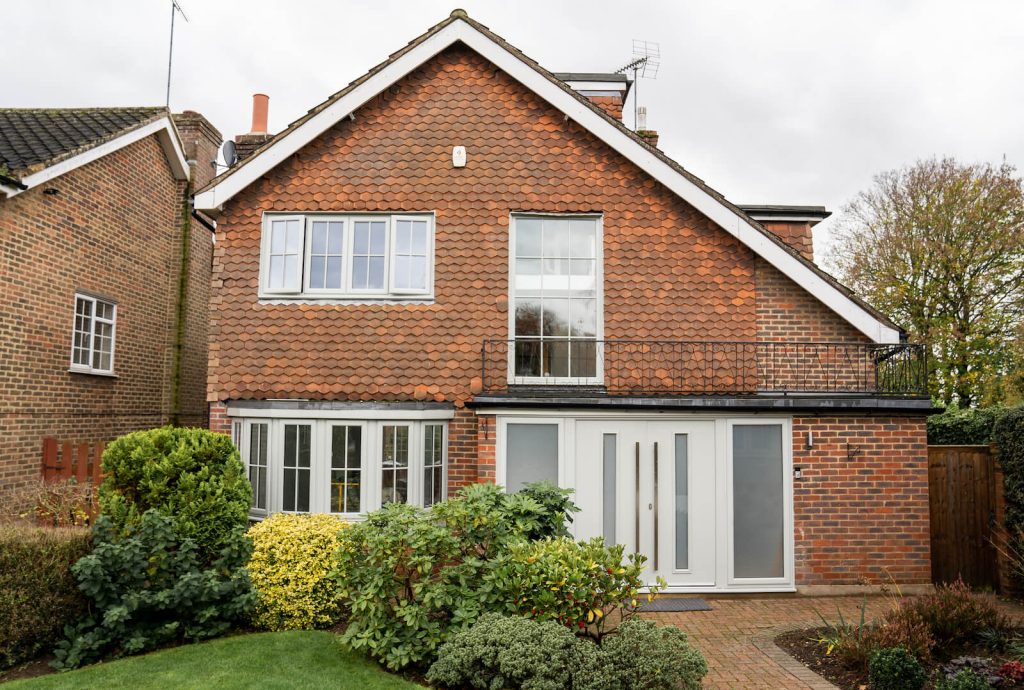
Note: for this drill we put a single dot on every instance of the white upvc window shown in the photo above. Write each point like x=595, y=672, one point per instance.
x=556, y=313
x=93, y=332
x=347, y=257
x=346, y=467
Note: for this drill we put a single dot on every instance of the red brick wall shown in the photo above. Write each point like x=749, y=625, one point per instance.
x=112, y=229
x=861, y=510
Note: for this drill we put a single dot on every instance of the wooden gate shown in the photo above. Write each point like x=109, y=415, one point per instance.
x=962, y=488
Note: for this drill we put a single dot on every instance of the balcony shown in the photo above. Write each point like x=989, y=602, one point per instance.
x=702, y=368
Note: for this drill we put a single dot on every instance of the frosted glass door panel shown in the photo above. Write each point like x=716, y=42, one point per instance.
x=758, y=501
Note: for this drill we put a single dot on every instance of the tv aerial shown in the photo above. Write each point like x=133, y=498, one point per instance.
x=644, y=65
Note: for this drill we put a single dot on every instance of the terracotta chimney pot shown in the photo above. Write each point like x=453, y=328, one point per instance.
x=260, y=106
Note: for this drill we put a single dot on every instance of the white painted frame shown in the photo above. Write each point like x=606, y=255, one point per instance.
x=320, y=448
x=428, y=289
x=511, y=377
x=723, y=479
x=347, y=294
x=167, y=136
x=788, y=574
x=89, y=369
x=586, y=115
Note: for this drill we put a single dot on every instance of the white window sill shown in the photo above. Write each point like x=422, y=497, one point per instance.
x=93, y=372
x=368, y=299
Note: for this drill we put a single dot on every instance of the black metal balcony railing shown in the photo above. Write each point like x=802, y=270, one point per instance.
x=678, y=367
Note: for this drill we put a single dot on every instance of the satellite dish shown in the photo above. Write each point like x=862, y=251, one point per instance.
x=229, y=153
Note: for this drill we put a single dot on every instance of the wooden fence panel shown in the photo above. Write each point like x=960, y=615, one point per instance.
x=962, y=494
x=64, y=460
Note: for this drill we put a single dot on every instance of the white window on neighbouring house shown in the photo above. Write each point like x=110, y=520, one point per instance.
x=556, y=299
x=365, y=256
x=343, y=466
x=92, y=340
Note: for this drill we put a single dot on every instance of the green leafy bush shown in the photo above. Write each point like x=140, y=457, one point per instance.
x=290, y=570
x=149, y=587
x=642, y=655
x=1008, y=437
x=586, y=586
x=954, y=614
x=962, y=680
x=192, y=475
x=969, y=427
x=895, y=669
x=557, y=509
x=511, y=652
x=411, y=576
x=38, y=596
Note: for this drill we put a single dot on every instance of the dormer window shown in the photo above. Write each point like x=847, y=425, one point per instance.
x=347, y=257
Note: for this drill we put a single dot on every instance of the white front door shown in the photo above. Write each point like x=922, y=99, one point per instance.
x=651, y=486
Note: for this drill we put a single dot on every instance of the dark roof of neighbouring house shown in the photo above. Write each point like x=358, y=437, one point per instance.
x=35, y=138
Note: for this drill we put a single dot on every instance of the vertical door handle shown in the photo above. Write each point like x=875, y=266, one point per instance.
x=637, y=457
x=655, y=505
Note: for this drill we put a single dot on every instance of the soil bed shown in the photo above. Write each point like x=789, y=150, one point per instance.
x=803, y=646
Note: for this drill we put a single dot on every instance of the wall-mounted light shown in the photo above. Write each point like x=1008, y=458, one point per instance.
x=798, y=473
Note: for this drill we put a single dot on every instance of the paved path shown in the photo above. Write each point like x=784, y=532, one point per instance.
x=736, y=637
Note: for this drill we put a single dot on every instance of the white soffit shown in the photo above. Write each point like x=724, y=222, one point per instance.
x=736, y=225
x=163, y=128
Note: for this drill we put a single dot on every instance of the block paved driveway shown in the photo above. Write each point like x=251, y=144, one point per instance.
x=736, y=637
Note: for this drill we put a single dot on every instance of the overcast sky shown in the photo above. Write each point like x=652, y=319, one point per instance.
x=787, y=101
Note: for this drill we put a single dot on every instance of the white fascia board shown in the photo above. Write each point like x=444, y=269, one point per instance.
x=9, y=191
x=582, y=113
x=597, y=85
x=240, y=410
x=786, y=219
x=166, y=135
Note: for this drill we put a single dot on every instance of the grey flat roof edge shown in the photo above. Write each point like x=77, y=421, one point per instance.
x=768, y=210
x=332, y=405
x=727, y=403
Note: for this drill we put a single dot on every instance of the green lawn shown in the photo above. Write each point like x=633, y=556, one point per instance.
x=296, y=659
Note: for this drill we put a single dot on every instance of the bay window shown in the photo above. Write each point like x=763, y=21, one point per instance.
x=556, y=308
x=343, y=466
x=347, y=257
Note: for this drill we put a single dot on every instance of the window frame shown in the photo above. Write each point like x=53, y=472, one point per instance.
x=501, y=445
x=93, y=299
x=596, y=380
x=347, y=293
x=320, y=458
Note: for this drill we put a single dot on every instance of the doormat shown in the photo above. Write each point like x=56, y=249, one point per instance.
x=675, y=604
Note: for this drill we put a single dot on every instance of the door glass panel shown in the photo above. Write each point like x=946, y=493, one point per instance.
x=257, y=463
x=433, y=463
x=346, y=469
x=395, y=464
x=682, y=466
x=758, y=501
x=297, y=451
x=608, y=489
x=531, y=454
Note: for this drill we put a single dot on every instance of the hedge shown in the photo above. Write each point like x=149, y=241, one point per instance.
x=1008, y=438
x=38, y=593
x=970, y=427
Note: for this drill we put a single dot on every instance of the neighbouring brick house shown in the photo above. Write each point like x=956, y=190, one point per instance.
x=464, y=268
x=99, y=333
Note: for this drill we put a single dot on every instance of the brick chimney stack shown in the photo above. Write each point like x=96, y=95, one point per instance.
x=648, y=135
x=606, y=91
x=246, y=144
x=201, y=141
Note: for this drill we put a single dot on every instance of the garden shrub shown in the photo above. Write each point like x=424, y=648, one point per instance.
x=192, y=475
x=642, y=655
x=895, y=669
x=901, y=628
x=969, y=427
x=1008, y=438
x=962, y=680
x=49, y=503
x=38, y=593
x=290, y=570
x=852, y=643
x=586, y=586
x=149, y=586
x=511, y=652
x=954, y=614
x=411, y=576
x=557, y=509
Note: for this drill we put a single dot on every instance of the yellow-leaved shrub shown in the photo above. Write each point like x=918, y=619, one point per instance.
x=291, y=571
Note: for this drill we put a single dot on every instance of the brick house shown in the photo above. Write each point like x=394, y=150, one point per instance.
x=464, y=268
x=101, y=333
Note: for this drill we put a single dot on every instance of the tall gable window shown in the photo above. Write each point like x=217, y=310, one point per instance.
x=362, y=256
x=556, y=296
x=92, y=340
